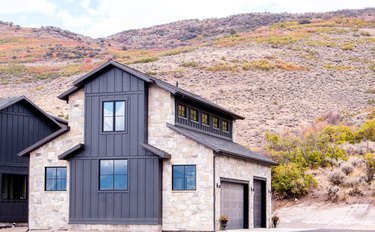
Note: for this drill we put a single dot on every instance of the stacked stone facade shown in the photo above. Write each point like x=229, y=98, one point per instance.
x=237, y=169
x=49, y=210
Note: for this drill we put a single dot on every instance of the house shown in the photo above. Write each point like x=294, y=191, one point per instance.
x=143, y=155
x=22, y=124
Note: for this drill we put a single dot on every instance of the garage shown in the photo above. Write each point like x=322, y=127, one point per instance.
x=234, y=204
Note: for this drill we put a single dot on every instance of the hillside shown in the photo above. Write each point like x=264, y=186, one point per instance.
x=280, y=71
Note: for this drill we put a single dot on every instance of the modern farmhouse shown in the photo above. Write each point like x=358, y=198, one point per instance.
x=22, y=124
x=143, y=155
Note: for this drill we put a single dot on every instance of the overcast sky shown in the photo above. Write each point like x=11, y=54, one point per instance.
x=99, y=18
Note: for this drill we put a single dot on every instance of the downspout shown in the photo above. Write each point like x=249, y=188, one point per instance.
x=214, y=187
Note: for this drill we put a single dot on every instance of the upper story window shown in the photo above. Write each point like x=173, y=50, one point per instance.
x=113, y=175
x=215, y=122
x=205, y=119
x=56, y=179
x=183, y=177
x=113, y=116
x=194, y=115
x=181, y=111
x=225, y=125
x=13, y=187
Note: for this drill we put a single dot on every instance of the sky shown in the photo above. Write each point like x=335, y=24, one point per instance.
x=100, y=18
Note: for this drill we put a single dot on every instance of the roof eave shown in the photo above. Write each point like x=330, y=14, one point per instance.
x=162, y=154
x=67, y=154
x=253, y=159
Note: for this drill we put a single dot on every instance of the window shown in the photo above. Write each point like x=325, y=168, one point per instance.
x=205, y=120
x=194, y=115
x=13, y=187
x=113, y=175
x=183, y=177
x=215, y=122
x=114, y=116
x=182, y=111
x=56, y=179
x=225, y=125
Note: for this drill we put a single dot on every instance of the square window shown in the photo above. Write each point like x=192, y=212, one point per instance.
x=205, y=120
x=113, y=175
x=113, y=116
x=225, y=125
x=182, y=111
x=183, y=177
x=194, y=115
x=55, y=179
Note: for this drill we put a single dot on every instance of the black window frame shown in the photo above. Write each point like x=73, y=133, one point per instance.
x=46, y=179
x=196, y=115
x=218, y=123
x=208, y=119
x=185, y=111
x=113, y=176
x=227, y=126
x=8, y=193
x=195, y=177
x=114, y=116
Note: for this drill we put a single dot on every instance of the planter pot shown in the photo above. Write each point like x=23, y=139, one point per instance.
x=223, y=224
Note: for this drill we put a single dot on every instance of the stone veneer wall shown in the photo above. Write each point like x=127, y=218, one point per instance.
x=231, y=168
x=182, y=210
x=50, y=209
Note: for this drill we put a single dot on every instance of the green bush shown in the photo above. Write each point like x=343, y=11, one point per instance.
x=289, y=180
x=338, y=134
x=366, y=131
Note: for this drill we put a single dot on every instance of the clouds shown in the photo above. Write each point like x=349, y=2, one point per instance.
x=99, y=18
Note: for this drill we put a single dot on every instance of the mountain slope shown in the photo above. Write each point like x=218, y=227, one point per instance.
x=280, y=71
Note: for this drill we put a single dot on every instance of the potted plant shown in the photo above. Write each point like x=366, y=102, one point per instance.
x=223, y=221
x=275, y=220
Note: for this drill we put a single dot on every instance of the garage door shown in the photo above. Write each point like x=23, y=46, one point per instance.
x=259, y=203
x=232, y=204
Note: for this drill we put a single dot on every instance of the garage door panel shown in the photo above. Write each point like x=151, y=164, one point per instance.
x=232, y=204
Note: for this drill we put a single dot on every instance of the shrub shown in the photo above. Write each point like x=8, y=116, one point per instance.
x=146, y=60
x=347, y=46
x=333, y=193
x=246, y=66
x=347, y=168
x=192, y=64
x=262, y=65
x=366, y=131
x=372, y=67
x=338, y=134
x=290, y=181
x=304, y=21
x=336, y=177
x=223, y=67
x=370, y=163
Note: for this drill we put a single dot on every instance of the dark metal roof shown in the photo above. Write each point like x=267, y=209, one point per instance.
x=156, y=151
x=66, y=155
x=162, y=84
x=47, y=139
x=6, y=102
x=223, y=146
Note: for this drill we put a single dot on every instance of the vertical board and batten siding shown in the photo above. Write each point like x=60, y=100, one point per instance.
x=140, y=204
x=21, y=125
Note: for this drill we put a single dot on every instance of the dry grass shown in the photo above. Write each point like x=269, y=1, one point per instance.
x=223, y=67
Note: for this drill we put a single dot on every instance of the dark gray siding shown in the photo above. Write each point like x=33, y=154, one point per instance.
x=141, y=203
x=21, y=125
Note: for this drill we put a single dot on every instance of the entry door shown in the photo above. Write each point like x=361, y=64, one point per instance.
x=259, y=203
x=232, y=201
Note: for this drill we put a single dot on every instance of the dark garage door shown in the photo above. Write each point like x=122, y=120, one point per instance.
x=233, y=204
x=259, y=203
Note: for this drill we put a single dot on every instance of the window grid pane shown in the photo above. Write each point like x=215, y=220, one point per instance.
x=113, y=175
x=225, y=125
x=56, y=179
x=215, y=122
x=205, y=119
x=184, y=177
x=113, y=116
x=182, y=111
x=194, y=115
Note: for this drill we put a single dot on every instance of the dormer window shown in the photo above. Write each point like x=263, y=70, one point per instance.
x=205, y=120
x=182, y=111
x=224, y=125
x=215, y=122
x=113, y=116
x=194, y=115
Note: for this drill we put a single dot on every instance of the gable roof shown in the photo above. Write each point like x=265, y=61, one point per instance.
x=6, y=102
x=174, y=90
x=223, y=146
